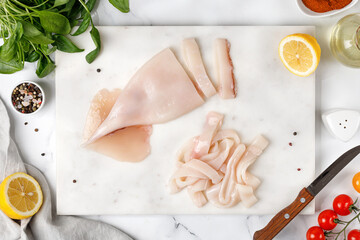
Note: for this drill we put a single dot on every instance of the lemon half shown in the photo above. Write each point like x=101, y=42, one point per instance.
x=20, y=196
x=300, y=53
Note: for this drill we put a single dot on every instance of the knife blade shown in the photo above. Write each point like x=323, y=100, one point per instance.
x=306, y=195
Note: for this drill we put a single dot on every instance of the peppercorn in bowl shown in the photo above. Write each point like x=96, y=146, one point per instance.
x=27, y=98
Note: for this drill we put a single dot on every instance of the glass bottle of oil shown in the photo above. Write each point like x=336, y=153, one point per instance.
x=345, y=40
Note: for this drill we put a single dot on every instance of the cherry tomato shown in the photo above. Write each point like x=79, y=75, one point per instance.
x=356, y=182
x=342, y=204
x=315, y=233
x=354, y=235
x=326, y=219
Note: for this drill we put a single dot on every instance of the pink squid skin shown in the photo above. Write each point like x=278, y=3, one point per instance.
x=224, y=69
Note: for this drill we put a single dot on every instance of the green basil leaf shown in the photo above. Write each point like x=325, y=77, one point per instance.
x=4, y=32
x=66, y=45
x=54, y=22
x=8, y=50
x=73, y=8
x=122, y=5
x=84, y=25
x=19, y=31
x=44, y=66
x=73, y=23
x=10, y=47
x=95, y=35
x=32, y=56
x=69, y=6
x=25, y=45
x=8, y=67
x=60, y=2
x=46, y=50
x=51, y=50
x=34, y=35
x=90, y=5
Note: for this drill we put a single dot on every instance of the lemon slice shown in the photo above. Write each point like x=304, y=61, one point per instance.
x=300, y=53
x=20, y=196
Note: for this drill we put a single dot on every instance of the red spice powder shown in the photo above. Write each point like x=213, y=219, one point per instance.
x=321, y=6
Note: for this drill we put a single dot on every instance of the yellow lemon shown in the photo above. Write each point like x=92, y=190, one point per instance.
x=300, y=53
x=20, y=196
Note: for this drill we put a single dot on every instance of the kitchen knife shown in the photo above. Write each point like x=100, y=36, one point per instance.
x=306, y=195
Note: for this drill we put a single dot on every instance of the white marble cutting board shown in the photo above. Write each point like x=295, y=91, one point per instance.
x=271, y=101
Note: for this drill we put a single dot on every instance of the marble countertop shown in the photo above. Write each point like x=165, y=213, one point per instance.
x=337, y=87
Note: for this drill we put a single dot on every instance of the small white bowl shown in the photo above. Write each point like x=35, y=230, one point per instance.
x=310, y=13
x=42, y=103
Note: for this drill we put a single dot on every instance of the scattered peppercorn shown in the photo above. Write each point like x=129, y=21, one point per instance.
x=74, y=181
x=299, y=169
x=43, y=154
x=36, y=129
x=98, y=70
x=290, y=144
x=294, y=133
x=25, y=123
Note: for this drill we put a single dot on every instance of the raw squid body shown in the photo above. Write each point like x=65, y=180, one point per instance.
x=214, y=166
x=195, y=65
x=224, y=69
x=130, y=144
x=159, y=91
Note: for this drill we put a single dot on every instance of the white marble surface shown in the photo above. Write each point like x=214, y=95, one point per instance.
x=270, y=102
x=337, y=87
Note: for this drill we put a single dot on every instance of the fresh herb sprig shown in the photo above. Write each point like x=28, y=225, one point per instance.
x=33, y=29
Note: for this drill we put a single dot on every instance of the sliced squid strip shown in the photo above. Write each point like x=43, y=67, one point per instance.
x=184, y=155
x=227, y=133
x=200, y=185
x=177, y=184
x=220, y=174
x=247, y=195
x=213, y=196
x=251, y=154
x=215, y=151
x=205, y=169
x=189, y=171
x=228, y=185
x=186, y=181
x=198, y=198
x=223, y=168
x=195, y=65
x=212, y=125
x=212, y=193
x=224, y=69
x=251, y=180
x=217, y=162
x=173, y=187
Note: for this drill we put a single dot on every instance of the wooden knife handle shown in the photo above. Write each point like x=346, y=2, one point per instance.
x=284, y=217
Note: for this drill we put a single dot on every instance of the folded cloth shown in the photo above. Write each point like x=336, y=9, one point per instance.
x=44, y=225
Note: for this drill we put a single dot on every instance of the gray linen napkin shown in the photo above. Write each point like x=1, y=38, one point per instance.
x=45, y=225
